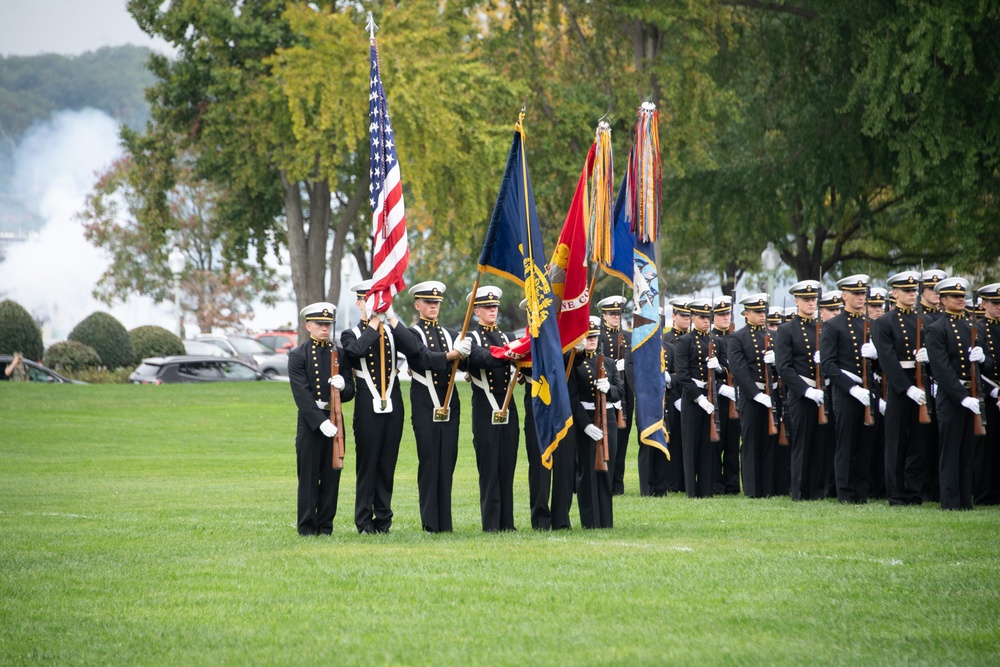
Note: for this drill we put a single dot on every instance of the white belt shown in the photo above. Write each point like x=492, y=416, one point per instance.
x=809, y=381
x=322, y=405
x=909, y=365
x=617, y=405
x=989, y=381
x=852, y=376
x=774, y=385
x=698, y=383
x=426, y=378
x=587, y=405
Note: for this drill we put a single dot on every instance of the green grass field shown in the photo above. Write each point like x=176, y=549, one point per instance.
x=153, y=525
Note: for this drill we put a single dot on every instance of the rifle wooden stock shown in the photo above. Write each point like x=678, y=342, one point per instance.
x=821, y=414
x=869, y=415
x=621, y=348
x=336, y=415
x=772, y=427
x=713, y=419
x=600, y=413
x=733, y=412
x=923, y=414
x=978, y=423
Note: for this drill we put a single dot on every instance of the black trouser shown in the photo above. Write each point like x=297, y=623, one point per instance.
x=319, y=483
x=675, y=466
x=437, y=453
x=376, y=449
x=727, y=451
x=807, y=444
x=852, y=457
x=496, y=460
x=758, y=451
x=558, y=481
x=593, y=488
x=654, y=467
x=931, y=491
x=618, y=481
x=876, y=489
x=958, y=446
x=699, y=451
x=904, y=450
x=987, y=488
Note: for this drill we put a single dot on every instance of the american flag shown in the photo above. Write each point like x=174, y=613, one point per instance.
x=386, y=198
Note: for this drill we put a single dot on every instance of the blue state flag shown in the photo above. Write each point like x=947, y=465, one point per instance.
x=513, y=249
x=622, y=241
x=647, y=344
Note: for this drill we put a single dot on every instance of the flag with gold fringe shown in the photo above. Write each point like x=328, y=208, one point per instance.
x=638, y=209
x=512, y=249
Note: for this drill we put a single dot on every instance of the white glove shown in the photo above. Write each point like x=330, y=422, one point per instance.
x=769, y=357
x=764, y=399
x=580, y=347
x=917, y=395
x=921, y=356
x=593, y=432
x=862, y=396
x=868, y=351
x=620, y=365
x=337, y=382
x=816, y=357
x=463, y=346
x=995, y=393
x=713, y=363
x=934, y=390
x=727, y=391
x=603, y=385
x=390, y=314
x=881, y=406
x=815, y=395
x=677, y=405
x=705, y=404
x=666, y=378
x=972, y=404
x=328, y=429
x=976, y=355
x=375, y=319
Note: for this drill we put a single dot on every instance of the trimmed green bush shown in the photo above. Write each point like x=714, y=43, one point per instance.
x=153, y=341
x=19, y=332
x=105, y=334
x=70, y=356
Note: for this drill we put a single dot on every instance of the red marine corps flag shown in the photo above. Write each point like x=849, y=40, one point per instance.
x=390, y=254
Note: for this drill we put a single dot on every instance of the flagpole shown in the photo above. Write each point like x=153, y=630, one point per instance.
x=442, y=412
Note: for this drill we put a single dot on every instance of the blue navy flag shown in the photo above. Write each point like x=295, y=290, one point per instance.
x=647, y=344
x=513, y=249
x=622, y=241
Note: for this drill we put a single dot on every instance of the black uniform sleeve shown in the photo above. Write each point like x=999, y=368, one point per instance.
x=740, y=366
x=301, y=392
x=938, y=354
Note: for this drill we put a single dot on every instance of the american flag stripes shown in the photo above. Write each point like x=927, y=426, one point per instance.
x=391, y=254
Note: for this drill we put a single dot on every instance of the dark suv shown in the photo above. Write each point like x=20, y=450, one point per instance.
x=169, y=370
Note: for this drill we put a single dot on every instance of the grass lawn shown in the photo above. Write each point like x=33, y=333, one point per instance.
x=152, y=525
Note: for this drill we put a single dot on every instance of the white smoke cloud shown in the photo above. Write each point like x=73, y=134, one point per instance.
x=53, y=274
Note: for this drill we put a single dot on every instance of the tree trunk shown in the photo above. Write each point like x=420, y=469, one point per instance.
x=307, y=248
x=348, y=215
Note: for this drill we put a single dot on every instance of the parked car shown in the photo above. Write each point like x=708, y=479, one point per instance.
x=203, y=349
x=36, y=372
x=190, y=368
x=279, y=340
x=251, y=351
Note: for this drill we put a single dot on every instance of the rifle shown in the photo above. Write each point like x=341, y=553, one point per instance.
x=601, y=453
x=772, y=426
x=713, y=424
x=869, y=415
x=733, y=412
x=923, y=414
x=821, y=414
x=621, y=351
x=336, y=415
x=976, y=391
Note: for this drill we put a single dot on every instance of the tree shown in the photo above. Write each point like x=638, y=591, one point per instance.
x=117, y=219
x=19, y=332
